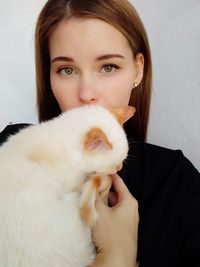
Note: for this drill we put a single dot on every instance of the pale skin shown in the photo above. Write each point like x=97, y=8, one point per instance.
x=116, y=231
x=92, y=62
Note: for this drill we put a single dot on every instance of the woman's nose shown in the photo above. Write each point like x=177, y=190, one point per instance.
x=87, y=91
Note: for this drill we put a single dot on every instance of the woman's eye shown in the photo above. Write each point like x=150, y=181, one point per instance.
x=110, y=68
x=66, y=70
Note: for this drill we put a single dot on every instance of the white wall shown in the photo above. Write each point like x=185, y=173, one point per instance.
x=173, y=27
x=17, y=76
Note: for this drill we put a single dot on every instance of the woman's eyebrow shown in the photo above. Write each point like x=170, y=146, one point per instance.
x=61, y=58
x=103, y=57
x=109, y=56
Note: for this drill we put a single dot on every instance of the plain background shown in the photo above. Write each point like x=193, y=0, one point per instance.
x=173, y=28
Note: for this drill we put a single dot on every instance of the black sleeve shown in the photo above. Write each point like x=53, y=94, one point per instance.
x=171, y=208
x=167, y=187
x=10, y=130
x=191, y=240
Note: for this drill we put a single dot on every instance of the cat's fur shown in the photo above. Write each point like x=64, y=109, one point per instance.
x=49, y=176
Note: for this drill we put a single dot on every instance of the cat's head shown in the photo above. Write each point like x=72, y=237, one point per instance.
x=99, y=141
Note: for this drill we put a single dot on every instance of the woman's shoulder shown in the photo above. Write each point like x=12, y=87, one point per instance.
x=146, y=149
x=155, y=156
x=171, y=163
x=149, y=166
x=10, y=130
x=167, y=187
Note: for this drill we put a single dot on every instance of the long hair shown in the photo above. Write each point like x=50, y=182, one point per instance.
x=120, y=14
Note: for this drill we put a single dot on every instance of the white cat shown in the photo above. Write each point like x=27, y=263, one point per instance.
x=49, y=177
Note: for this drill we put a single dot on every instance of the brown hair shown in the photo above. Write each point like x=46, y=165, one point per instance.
x=119, y=13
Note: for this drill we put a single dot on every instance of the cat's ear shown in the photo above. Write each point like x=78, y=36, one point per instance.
x=123, y=114
x=95, y=139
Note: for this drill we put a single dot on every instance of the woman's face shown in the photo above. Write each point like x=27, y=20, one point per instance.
x=92, y=62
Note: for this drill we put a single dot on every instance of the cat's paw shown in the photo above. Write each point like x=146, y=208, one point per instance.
x=104, y=188
x=93, y=186
x=88, y=215
x=87, y=201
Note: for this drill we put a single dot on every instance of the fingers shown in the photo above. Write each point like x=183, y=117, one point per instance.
x=112, y=199
x=121, y=193
x=119, y=187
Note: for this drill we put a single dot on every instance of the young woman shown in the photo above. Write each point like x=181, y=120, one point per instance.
x=98, y=52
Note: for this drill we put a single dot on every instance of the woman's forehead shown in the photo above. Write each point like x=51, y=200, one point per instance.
x=87, y=35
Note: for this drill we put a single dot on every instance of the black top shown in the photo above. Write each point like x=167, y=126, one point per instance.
x=167, y=188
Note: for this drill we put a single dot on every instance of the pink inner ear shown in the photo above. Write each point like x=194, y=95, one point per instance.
x=96, y=139
x=98, y=144
x=94, y=144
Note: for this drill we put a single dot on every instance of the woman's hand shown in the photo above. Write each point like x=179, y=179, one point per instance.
x=115, y=232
